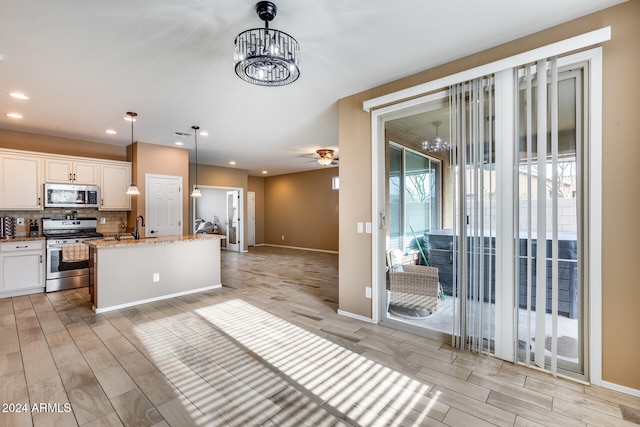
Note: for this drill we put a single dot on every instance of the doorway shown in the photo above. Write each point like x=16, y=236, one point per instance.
x=210, y=212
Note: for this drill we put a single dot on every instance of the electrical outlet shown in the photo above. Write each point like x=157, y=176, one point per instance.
x=282, y=237
x=156, y=277
x=20, y=221
x=103, y=220
x=367, y=292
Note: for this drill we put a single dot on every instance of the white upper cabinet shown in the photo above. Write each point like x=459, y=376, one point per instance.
x=114, y=180
x=20, y=181
x=23, y=174
x=74, y=171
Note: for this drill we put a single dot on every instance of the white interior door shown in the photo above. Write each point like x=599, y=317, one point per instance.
x=163, y=205
x=251, y=214
x=233, y=220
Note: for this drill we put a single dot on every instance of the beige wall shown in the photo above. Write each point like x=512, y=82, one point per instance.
x=621, y=176
x=53, y=144
x=303, y=208
x=159, y=160
x=256, y=184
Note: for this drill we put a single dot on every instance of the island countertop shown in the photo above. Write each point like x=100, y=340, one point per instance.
x=127, y=241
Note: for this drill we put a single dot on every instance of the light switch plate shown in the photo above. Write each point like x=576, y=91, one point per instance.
x=360, y=227
x=368, y=227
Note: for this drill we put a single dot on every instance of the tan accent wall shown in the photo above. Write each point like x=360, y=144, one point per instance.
x=256, y=184
x=303, y=208
x=621, y=175
x=57, y=145
x=159, y=160
x=216, y=176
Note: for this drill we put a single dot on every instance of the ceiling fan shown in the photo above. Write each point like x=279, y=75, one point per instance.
x=326, y=157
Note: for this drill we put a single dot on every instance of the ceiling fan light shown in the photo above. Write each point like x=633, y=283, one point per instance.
x=325, y=161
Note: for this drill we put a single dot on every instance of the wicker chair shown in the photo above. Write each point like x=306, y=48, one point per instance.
x=412, y=285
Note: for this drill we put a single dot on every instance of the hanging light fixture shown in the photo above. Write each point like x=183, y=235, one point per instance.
x=133, y=189
x=196, y=190
x=264, y=56
x=436, y=144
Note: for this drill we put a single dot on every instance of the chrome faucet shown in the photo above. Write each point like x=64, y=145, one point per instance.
x=136, y=233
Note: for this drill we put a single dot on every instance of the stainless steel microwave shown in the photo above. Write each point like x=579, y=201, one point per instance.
x=71, y=196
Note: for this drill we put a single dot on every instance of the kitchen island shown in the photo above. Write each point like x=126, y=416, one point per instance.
x=128, y=272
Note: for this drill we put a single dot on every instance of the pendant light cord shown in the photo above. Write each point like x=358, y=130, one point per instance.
x=195, y=134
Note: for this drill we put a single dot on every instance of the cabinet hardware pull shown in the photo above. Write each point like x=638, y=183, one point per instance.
x=22, y=247
x=69, y=177
x=40, y=259
x=74, y=176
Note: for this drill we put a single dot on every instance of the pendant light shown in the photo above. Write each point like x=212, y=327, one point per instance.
x=133, y=189
x=196, y=190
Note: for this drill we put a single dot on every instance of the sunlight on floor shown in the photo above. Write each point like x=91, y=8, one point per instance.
x=365, y=391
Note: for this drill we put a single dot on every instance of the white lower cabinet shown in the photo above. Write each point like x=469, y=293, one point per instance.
x=22, y=267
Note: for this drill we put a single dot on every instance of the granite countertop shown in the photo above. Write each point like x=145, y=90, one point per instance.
x=128, y=241
x=20, y=239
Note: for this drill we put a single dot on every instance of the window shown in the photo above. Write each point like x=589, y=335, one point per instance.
x=414, y=197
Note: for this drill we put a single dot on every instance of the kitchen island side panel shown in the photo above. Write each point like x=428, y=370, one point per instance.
x=125, y=275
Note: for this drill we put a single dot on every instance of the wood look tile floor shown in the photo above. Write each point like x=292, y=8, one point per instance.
x=268, y=349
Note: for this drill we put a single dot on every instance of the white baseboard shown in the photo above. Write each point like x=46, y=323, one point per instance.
x=354, y=316
x=21, y=292
x=160, y=298
x=301, y=249
x=621, y=389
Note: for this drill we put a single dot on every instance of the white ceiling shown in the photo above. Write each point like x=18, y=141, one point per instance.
x=85, y=63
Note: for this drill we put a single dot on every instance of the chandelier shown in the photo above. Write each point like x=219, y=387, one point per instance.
x=264, y=56
x=436, y=144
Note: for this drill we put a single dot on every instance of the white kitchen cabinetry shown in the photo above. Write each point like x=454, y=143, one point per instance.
x=73, y=171
x=114, y=180
x=21, y=267
x=20, y=181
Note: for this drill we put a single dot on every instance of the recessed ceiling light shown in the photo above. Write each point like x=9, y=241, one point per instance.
x=18, y=95
x=13, y=115
x=110, y=131
x=265, y=172
x=130, y=119
x=232, y=162
x=204, y=133
x=178, y=143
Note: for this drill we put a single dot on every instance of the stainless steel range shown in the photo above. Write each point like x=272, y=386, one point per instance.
x=67, y=256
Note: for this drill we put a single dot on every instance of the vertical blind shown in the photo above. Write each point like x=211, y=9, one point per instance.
x=472, y=106
x=538, y=222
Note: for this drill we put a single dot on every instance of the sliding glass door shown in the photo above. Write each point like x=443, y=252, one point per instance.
x=486, y=201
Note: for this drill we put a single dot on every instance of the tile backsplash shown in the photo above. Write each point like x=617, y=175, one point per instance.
x=114, y=221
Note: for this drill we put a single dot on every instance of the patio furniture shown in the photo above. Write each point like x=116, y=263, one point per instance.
x=412, y=286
